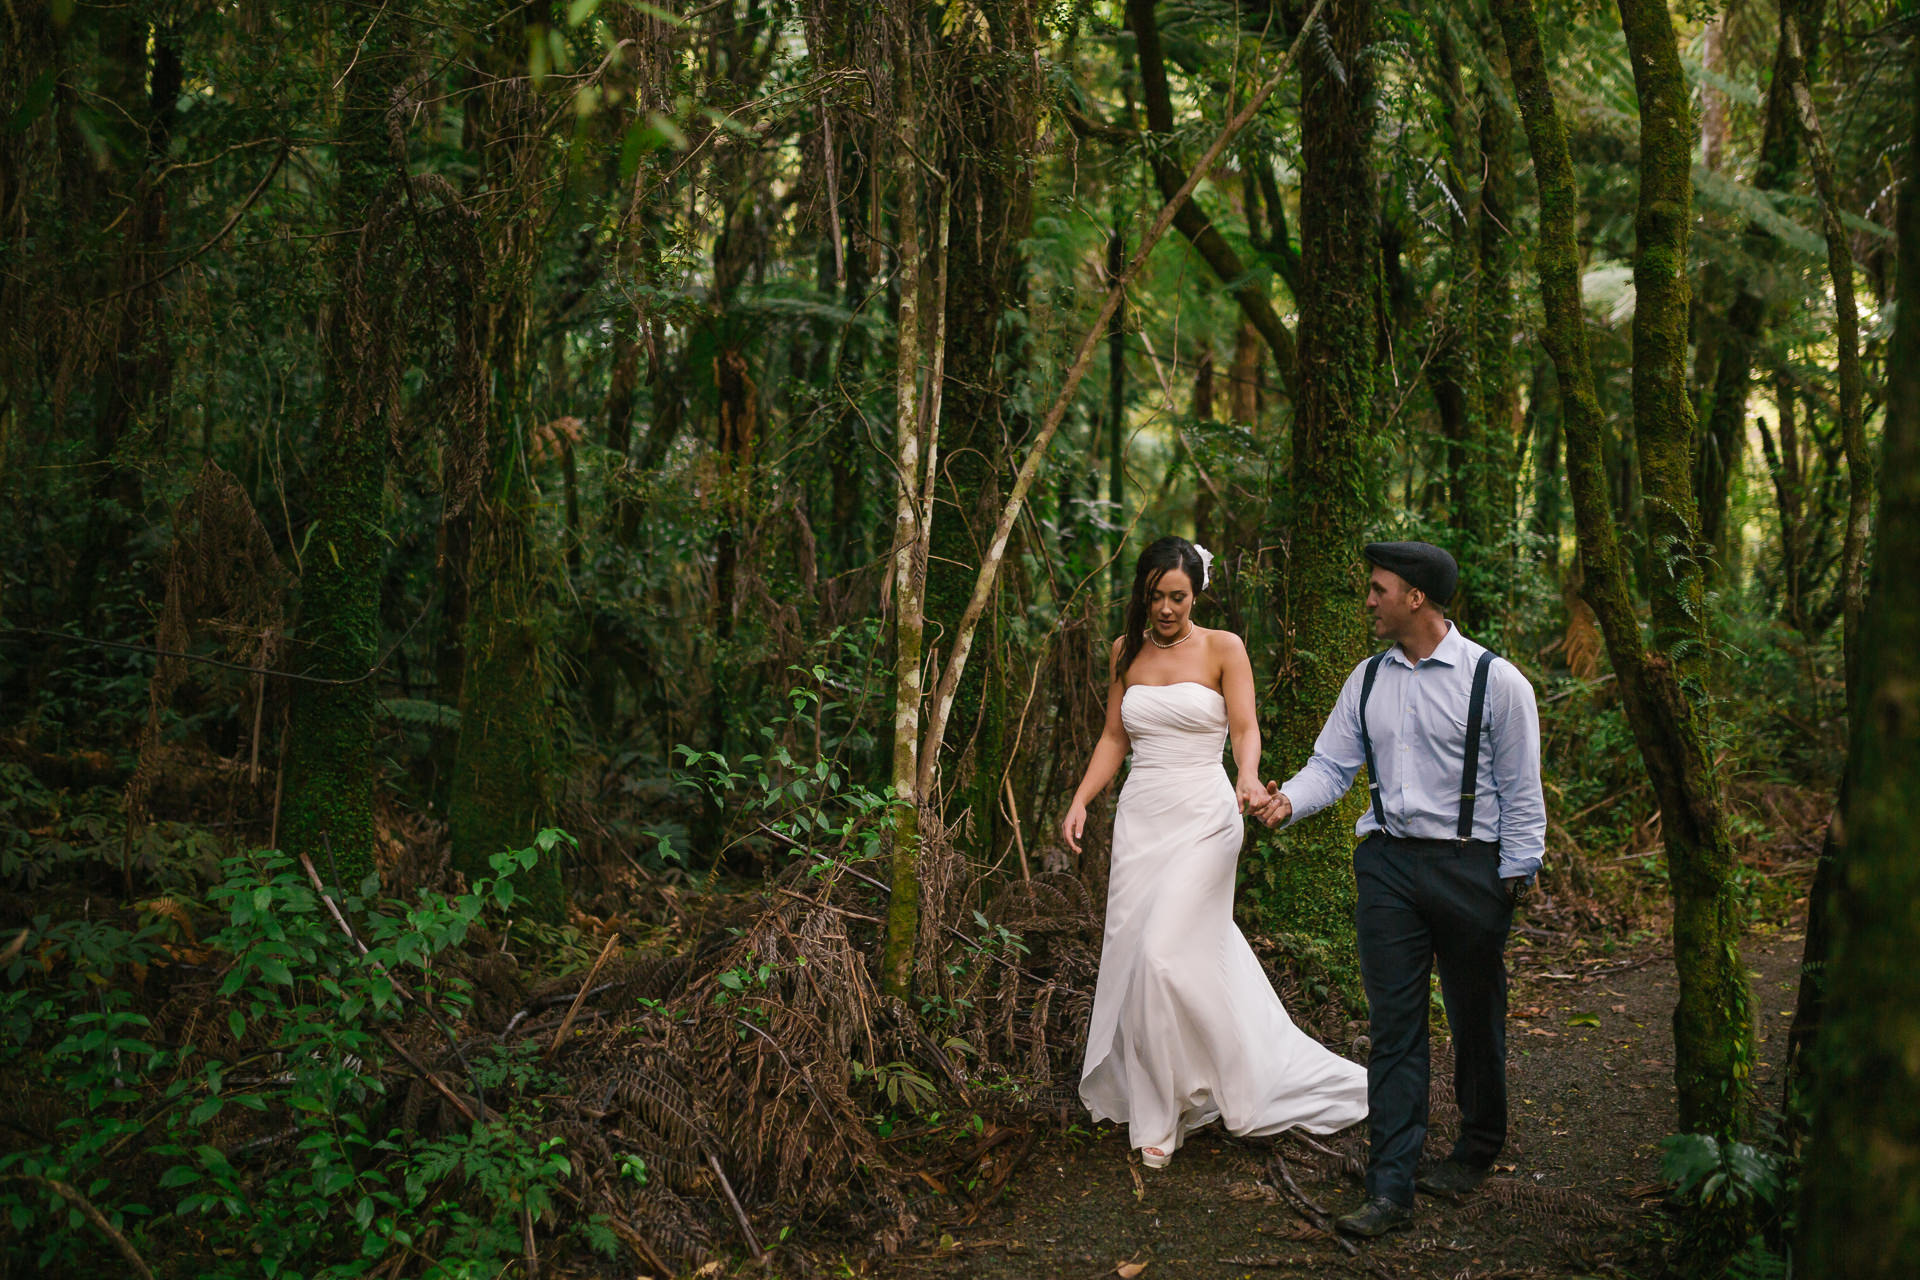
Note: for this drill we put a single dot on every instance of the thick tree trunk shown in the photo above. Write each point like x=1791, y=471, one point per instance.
x=1309, y=886
x=504, y=761
x=1860, y=1202
x=141, y=86
x=1712, y=1024
x=990, y=179
x=327, y=811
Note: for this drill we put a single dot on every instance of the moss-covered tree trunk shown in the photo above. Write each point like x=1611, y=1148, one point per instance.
x=1309, y=881
x=1860, y=1202
x=504, y=760
x=1713, y=1029
x=993, y=98
x=327, y=811
x=1713, y=1025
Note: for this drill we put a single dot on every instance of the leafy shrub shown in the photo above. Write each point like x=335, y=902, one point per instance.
x=273, y=1149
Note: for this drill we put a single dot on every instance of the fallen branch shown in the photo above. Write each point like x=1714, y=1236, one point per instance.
x=739, y=1214
x=573, y=1010
x=72, y=1196
x=1318, y=1217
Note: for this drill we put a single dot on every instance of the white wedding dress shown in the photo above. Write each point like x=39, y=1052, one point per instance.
x=1186, y=1029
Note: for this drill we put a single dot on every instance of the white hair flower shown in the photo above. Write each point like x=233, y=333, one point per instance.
x=1206, y=565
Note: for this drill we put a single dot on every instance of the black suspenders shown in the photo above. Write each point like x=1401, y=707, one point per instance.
x=1470, y=769
x=1366, y=740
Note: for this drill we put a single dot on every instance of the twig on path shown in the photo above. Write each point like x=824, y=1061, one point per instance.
x=1319, y=1217
x=739, y=1214
x=547, y=1002
x=526, y=1244
x=1347, y=1164
x=73, y=1197
x=573, y=1010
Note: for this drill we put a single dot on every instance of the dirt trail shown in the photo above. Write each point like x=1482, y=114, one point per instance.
x=1590, y=1049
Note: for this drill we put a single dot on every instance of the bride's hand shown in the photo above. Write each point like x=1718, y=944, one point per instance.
x=1253, y=796
x=1074, y=825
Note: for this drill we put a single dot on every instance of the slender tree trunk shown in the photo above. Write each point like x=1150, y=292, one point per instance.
x=1860, y=1200
x=1475, y=461
x=1191, y=220
x=1853, y=427
x=1117, y=407
x=910, y=519
x=1713, y=1030
x=1713, y=1025
x=1310, y=885
x=1722, y=443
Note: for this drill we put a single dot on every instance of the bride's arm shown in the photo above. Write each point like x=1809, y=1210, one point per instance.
x=1236, y=683
x=1107, y=755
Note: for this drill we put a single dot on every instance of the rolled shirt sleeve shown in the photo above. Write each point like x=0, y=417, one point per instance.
x=1337, y=756
x=1516, y=772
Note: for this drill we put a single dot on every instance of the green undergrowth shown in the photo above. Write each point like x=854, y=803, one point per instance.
x=238, y=1105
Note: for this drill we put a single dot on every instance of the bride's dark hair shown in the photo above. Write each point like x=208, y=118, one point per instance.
x=1170, y=552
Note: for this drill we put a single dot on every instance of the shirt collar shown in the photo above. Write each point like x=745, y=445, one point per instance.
x=1448, y=653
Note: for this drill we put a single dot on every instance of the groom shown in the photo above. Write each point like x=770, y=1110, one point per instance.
x=1451, y=840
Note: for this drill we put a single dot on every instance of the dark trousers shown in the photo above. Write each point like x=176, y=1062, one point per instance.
x=1422, y=900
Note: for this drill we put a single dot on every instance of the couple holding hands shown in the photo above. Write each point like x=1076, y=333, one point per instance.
x=1185, y=1028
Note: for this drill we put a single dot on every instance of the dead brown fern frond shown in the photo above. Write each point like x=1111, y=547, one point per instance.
x=1536, y=1206
x=224, y=578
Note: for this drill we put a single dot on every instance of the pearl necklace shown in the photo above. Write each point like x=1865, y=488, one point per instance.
x=1158, y=645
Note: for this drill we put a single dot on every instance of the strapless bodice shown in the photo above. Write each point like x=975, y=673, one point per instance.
x=1175, y=726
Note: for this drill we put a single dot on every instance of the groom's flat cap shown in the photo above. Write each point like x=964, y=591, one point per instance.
x=1420, y=563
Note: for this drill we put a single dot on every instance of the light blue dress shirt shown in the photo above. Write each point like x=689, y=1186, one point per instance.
x=1418, y=719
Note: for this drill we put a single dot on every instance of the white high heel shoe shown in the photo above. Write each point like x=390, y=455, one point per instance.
x=1154, y=1157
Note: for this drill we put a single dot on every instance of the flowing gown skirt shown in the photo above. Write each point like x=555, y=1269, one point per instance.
x=1186, y=1028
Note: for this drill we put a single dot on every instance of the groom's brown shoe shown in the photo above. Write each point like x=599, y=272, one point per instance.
x=1450, y=1178
x=1374, y=1218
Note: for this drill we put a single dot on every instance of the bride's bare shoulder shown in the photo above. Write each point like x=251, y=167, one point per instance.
x=1224, y=642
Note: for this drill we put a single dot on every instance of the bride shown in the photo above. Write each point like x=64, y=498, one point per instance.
x=1186, y=1028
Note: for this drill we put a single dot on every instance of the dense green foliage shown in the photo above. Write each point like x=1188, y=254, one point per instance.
x=432, y=423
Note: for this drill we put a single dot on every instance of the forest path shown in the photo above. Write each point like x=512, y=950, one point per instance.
x=1591, y=1051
